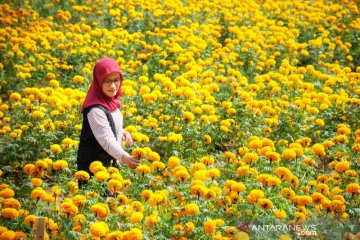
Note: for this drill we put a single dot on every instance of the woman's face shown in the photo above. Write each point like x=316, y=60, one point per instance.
x=111, y=84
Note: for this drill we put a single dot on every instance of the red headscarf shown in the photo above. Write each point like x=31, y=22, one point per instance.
x=95, y=95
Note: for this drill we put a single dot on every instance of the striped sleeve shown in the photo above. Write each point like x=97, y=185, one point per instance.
x=100, y=126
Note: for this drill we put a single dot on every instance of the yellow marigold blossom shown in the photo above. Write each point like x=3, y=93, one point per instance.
x=191, y=209
x=210, y=226
x=99, y=229
x=303, y=200
x=287, y=193
x=207, y=160
x=39, y=193
x=101, y=210
x=265, y=203
x=317, y=198
x=82, y=175
x=353, y=189
x=60, y=165
x=136, y=217
x=37, y=114
x=342, y=166
x=138, y=153
x=213, y=173
x=12, y=203
x=68, y=209
x=9, y=212
x=255, y=195
x=55, y=148
x=36, y=182
x=114, y=185
x=189, y=227
x=255, y=143
x=7, y=234
x=284, y=173
x=79, y=200
x=188, y=117
x=143, y=169
x=250, y=157
x=280, y=214
x=146, y=194
x=14, y=97
x=207, y=139
x=289, y=153
x=102, y=176
x=319, y=149
x=182, y=174
x=153, y=156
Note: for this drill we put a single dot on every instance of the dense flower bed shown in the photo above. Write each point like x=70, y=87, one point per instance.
x=241, y=111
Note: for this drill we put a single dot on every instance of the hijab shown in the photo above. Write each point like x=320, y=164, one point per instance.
x=95, y=94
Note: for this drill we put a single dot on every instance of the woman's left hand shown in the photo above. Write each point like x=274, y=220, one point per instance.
x=127, y=138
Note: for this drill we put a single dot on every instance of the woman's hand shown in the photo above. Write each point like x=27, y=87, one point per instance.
x=126, y=137
x=130, y=161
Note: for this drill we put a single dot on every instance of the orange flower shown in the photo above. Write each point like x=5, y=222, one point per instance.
x=255, y=195
x=191, y=209
x=342, y=166
x=265, y=203
x=82, y=175
x=319, y=149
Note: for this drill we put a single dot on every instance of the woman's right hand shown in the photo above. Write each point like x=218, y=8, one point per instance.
x=130, y=161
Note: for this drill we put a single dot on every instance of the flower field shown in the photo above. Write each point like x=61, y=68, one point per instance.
x=241, y=112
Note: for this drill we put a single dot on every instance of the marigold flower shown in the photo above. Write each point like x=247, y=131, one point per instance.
x=303, y=200
x=133, y=234
x=143, y=169
x=191, y=209
x=207, y=139
x=55, y=148
x=73, y=187
x=210, y=226
x=280, y=214
x=12, y=203
x=79, y=200
x=250, y=157
x=284, y=173
x=114, y=185
x=60, y=165
x=207, y=160
x=319, y=149
x=188, y=117
x=82, y=175
x=255, y=195
x=138, y=153
x=68, y=209
x=173, y=162
x=153, y=156
x=136, y=217
x=7, y=234
x=37, y=114
x=289, y=153
x=353, y=189
x=102, y=176
x=101, y=210
x=265, y=203
x=99, y=229
x=7, y=193
x=342, y=166
x=9, y=212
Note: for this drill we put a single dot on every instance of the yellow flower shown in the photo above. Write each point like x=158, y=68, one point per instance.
x=79, y=200
x=153, y=156
x=284, y=173
x=250, y=157
x=114, y=185
x=37, y=114
x=210, y=226
x=139, y=153
x=136, y=217
x=280, y=214
x=102, y=176
x=82, y=175
x=302, y=200
x=289, y=153
x=265, y=203
x=99, y=229
x=10, y=212
x=143, y=169
x=353, y=189
x=101, y=210
x=55, y=148
x=207, y=160
x=255, y=195
x=191, y=209
x=342, y=166
x=15, y=97
x=60, y=165
x=188, y=117
x=319, y=149
x=207, y=139
x=12, y=203
x=68, y=209
x=36, y=182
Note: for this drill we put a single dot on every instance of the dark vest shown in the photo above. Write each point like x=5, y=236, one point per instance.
x=89, y=148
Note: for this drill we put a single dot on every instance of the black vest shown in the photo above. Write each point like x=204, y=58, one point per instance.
x=89, y=148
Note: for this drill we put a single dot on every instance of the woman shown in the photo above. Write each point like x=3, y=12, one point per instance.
x=102, y=132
